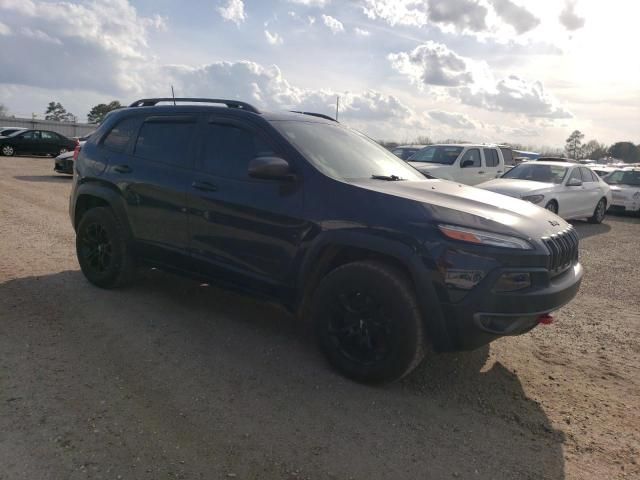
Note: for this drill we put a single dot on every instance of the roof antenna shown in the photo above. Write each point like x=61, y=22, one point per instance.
x=337, y=106
x=173, y=95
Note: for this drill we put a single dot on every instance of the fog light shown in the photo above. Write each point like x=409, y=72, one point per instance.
x=463, y=279
x=512, y=281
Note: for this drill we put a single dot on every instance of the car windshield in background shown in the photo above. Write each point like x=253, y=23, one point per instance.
x=620, y=177
x=443, y=155
x=537, y=173
x=342, y=153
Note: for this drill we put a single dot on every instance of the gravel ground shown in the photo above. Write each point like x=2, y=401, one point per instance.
x=171, y=379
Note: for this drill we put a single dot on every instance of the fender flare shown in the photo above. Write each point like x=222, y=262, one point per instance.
x=112, y=197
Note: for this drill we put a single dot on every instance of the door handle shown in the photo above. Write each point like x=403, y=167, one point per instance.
x=480, y=172
x=122, y=169
x=498, y=171
x=204, y=186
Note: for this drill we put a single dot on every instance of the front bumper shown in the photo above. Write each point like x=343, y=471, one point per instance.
x=63, y=166
x=624, y=205
x=485, y=315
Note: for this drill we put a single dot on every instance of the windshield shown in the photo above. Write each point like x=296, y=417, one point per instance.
x=342, y=153
x=537, y=173
x=442, y=154
x=620, y=177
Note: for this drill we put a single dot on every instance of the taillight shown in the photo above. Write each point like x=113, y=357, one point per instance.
x=76, y=152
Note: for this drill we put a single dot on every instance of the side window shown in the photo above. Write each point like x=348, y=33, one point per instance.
x=470, y=159
x=575, y=175
x=228, y=150
x=49, y=136
x=586, y=174
x=30, y=135
x=594, y=176
x=508, y=156
x=120, y=135
x=491, y=157
x=167, y=140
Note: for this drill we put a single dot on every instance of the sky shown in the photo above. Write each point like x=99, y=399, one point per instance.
x=527, y=72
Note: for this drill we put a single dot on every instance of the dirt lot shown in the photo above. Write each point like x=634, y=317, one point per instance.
x=170, y=379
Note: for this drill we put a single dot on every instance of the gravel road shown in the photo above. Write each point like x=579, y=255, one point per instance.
x=170, y=379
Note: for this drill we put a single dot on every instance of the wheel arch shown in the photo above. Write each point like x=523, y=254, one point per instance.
x=91, y=195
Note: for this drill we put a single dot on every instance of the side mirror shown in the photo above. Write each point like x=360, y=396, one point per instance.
x=466, y=164
x=574, y=182
x=270, y=168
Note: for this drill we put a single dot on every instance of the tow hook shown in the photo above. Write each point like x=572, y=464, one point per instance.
x=545, y=319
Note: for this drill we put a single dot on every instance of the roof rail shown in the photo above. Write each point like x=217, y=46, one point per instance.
x=313, y=114
x=150, y=102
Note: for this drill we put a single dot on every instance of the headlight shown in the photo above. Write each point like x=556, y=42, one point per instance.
x=479, y=237
x=533, y=198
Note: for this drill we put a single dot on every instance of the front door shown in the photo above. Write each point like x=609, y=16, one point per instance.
x=243, y=230
x=471, y=167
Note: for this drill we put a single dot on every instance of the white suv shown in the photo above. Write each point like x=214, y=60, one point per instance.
x=465, y=163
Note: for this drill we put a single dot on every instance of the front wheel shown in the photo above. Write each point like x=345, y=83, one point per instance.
x=368, y=323
x=8, y=151
x=599, y=212
x=552, y=206
x=103, y=248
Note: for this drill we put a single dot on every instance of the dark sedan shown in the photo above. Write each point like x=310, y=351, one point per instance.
x=35, y=142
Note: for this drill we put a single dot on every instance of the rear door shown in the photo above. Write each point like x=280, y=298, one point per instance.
x=592, y=193
x=153, y=167
x=492, y=167
x=470, y=164
x=50, y=142
x=243, y=230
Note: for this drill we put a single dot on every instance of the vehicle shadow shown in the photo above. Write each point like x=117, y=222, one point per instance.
x=586, y=229
x=179, y=379
x=59, y=178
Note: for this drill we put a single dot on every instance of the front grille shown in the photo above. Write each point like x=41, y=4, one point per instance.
x=563, y=248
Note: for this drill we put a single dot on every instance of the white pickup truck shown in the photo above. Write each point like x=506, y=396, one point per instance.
x=465, y=163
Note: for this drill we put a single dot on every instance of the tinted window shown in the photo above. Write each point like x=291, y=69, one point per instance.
x=508, y=156
x=166, y=140
x=470, y=159
x=31, y=135
x=120, y=135
x=49, y=136
x=575, y=175
x=537, y=173
x=343, y=153
x=228, y=150
x=442, y=154
x=491, y=157
x=621, y=177
x=586, y=175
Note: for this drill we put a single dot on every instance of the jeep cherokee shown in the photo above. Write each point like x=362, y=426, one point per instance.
x=301, y=209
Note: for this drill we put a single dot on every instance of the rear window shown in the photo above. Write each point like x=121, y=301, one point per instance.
x=120, y=135
x=166, y=140
x=507, y=154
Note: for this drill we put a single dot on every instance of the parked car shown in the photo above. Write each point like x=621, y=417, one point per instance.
x=405, y=151
x=35, y=142
x=567, y=189
x=63, y=163
x=465, y=163
x=306, y=211
x=625, y=189
x=602, y=170
x=6, y=131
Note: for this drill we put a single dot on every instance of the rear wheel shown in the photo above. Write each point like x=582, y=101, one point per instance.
x=368, y=323
x=103, y=249
x=552, y=206
x=600, y=212
x=8, y=151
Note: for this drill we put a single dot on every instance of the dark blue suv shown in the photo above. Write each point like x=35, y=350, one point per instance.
x=299, y=208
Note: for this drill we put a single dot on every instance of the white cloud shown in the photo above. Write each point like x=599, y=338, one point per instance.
x=333, y=24
x=311, y=3
x=361, y=32
x=452, y=119
x=521, y=19
x=569, y=18
x=4, y=29
x=462, y=14
x=396, y=12
x=233, y=11
x=432, y=64
x=273, y=38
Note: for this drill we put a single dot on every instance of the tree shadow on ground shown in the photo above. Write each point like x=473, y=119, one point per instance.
x=169, y=378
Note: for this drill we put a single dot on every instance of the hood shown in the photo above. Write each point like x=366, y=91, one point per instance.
x=451, y=202
x=514, y=187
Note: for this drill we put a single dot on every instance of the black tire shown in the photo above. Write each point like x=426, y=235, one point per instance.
x=103, y=248
x=599, y=213
x=368, y=323
x=552, y=206
x=7, y=151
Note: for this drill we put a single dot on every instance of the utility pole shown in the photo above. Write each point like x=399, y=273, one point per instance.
x=337, y=106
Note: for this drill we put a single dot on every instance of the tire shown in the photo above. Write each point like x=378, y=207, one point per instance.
x=367, y=322
x=103, y=248
x=552, y=206
x=599, y=213
x=8, y=151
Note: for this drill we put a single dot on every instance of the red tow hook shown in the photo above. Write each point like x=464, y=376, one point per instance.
x=545, y=319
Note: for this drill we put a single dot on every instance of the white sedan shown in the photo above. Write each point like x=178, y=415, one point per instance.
x=625, y=188
x=567, y=189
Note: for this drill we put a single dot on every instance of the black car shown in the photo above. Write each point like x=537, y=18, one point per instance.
x=6, y=131
x=304, y=210
x=35, y=142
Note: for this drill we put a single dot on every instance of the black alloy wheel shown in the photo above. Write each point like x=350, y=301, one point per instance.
x=96, y=247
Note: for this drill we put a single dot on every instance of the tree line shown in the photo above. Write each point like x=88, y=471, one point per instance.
x=628, y=152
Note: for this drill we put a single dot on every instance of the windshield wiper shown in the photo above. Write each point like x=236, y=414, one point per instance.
x=388, y=178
